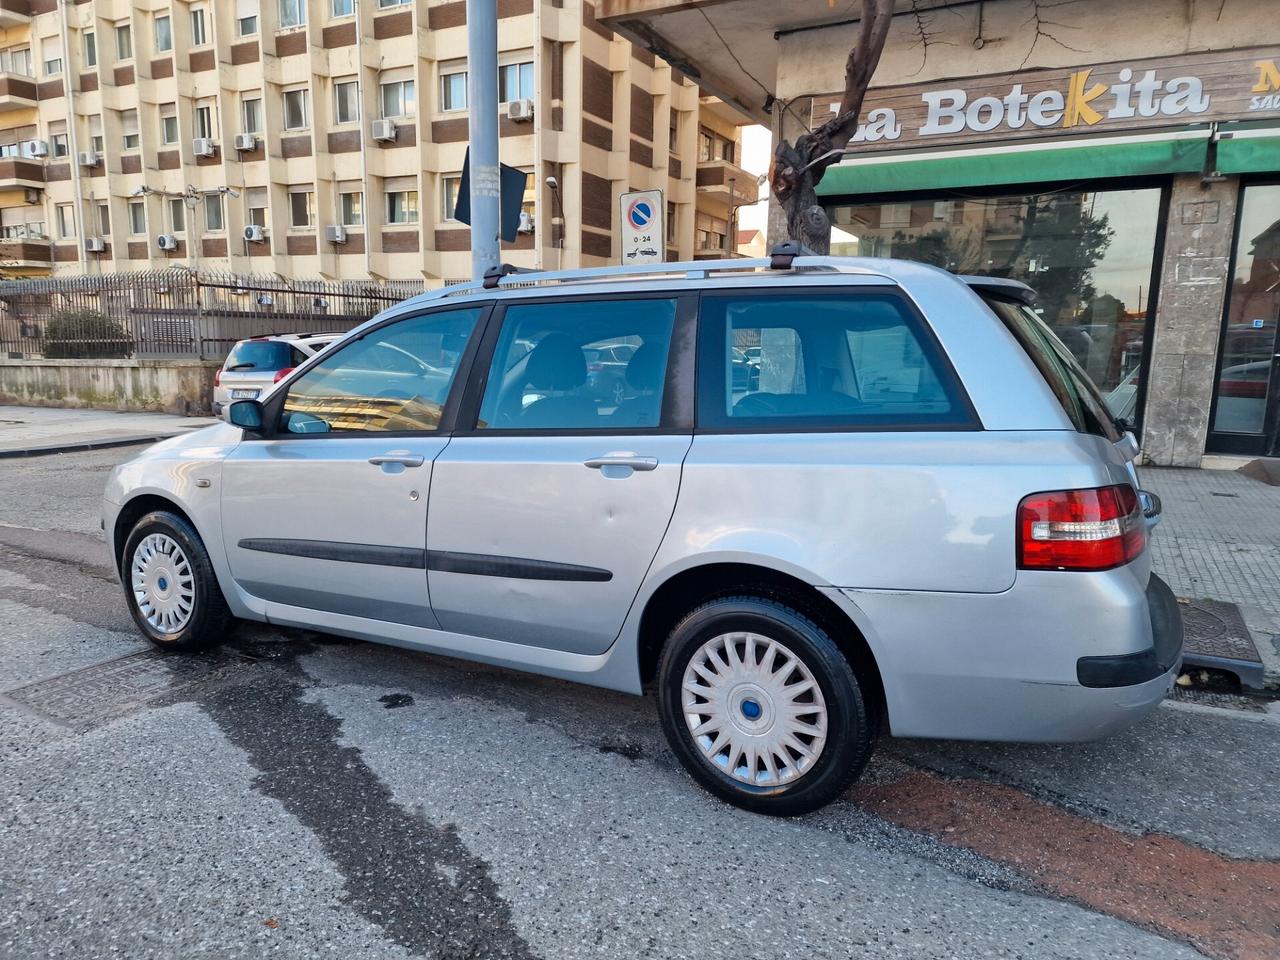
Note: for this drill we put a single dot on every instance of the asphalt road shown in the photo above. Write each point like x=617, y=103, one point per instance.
x=298, y=795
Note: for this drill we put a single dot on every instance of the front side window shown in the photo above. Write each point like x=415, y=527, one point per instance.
x=813, y=360
x=398, y=98
x=396, y=378
x=580, y=365
x=164, y=35
x=295, y=109
x=346, y=101
x=515, y=82
x=453, y=91
x=293, y=13
x=402, y=206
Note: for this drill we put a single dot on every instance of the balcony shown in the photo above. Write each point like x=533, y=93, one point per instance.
x=16, y=92
x=23, y=256
x=17, y=172
x=14, y=13
x=727, y=183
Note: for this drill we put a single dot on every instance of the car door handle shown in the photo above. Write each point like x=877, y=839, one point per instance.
x=395, y=456
x=622, y=460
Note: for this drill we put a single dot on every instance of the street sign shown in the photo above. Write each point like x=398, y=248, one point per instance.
x=512, y=182
x=643, y=231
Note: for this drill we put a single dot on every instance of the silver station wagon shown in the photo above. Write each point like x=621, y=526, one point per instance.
x=829, y=495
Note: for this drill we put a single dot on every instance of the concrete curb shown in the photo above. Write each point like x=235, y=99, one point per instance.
x=104, y=443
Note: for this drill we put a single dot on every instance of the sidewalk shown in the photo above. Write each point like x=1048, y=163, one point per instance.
x=33, y=431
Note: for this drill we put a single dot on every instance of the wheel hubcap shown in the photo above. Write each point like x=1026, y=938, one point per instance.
x=163, y=584
x=754, y=709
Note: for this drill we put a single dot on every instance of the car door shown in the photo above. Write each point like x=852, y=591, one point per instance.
x=328, y=510
x=547, y=512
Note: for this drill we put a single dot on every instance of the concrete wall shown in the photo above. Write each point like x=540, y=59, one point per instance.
x=1001, y=35
x=183, y=387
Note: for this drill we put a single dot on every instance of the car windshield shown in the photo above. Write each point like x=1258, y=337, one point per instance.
x=259, y=355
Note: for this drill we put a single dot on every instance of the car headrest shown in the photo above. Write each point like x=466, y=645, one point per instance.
x=647, y=366
x=557, y=363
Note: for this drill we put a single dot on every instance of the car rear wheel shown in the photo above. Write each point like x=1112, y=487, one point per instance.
x=170, y=585
x=761, y=706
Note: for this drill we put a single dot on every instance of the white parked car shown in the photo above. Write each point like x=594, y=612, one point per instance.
x=254, y=365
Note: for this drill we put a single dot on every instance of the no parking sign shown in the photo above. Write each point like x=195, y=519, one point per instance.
x=643, y=234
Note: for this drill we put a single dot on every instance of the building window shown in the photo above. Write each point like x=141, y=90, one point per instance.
x=397, y=98
x=58, y=145
x=90, y=49
x=96, y=142
x=104, y=220
x=673, y=137
x=251, y=115
x=402, y=206
x=302, y=212
x=293, y=13
x=198, y=35
x=164, y=35
x=52, y=59
x=295, y=109
x=64, y=216
x=346, y=101
x=351, y=208
x=247, y=26
x=342, y=8
x=129, y=125
x=178, y=214
x=672, y=233
x=256, y=200
x=449, y=196
x=168, y=123
x=137, y=217
x=706, y=146
x=214, y=221
x=453, y=91
x=16, y=60
x=204, y=122
x=124, y=41
x=515, y=82
x=384, y=4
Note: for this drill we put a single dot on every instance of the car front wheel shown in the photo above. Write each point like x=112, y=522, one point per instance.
x=761, y=706
x=170, y=585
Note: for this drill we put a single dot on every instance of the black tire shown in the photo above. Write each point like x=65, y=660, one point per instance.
x=851, y=723
x=207, y=624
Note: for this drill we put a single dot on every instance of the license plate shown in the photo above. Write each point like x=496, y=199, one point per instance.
x=245, y=394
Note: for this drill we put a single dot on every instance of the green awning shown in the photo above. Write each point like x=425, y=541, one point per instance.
x=981, y=168
x=1256, y=154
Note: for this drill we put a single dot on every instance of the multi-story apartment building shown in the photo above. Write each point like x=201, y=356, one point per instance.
x=326, y=138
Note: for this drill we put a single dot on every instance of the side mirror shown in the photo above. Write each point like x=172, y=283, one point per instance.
x=246, y=414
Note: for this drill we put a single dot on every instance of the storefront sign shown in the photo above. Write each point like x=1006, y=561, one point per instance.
x=1129, y=96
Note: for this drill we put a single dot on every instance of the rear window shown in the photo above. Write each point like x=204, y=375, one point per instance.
x=1077, y=394
x=261, y=355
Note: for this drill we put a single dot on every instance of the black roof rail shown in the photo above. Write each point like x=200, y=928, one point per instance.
x=782, y=255
x=494, y=275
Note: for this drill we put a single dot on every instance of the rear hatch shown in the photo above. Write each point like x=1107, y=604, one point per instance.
x=252, y=365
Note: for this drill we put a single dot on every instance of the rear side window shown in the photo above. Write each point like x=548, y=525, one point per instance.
x=259, y=355
x=822, y=360
x=1080, y=399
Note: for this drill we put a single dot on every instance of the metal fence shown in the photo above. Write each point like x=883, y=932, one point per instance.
x=177, y=313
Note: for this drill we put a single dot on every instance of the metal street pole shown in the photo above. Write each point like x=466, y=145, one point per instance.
x=482, y=125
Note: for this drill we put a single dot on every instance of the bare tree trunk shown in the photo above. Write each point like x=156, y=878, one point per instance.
x=797, y=169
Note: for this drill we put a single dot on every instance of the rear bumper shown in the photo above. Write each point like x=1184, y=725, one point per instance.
x=1014, y=665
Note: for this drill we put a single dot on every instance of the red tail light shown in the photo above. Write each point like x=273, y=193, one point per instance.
x=217, y=377
x=1080, y=529
x=281, y=374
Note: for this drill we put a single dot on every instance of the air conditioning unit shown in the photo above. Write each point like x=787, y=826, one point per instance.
x=254, y=233
x=520, y=111
x=526, y=223
x=246, y=141
x=95, y=245
x=89, y=158
x=203, y=147
x=37, y=148
x=384, y=130
x=167, y=241
x=335, y=233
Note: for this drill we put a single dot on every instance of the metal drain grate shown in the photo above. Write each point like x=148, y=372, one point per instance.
x=85, y=698
x=1216, y=636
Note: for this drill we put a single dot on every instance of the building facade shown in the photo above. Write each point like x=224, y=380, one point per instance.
x=1122, y=159
x=321, y=138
